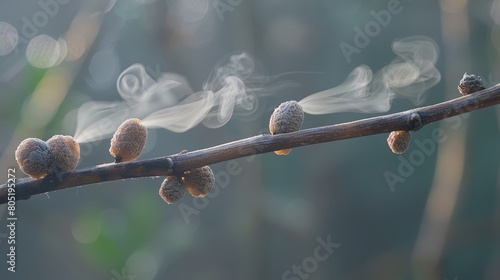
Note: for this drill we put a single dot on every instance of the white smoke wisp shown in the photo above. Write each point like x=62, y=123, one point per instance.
x=97, y=120
x=231, y=86
x=409, y=76
x=237, y=88
x=183, y=116
x=351, y=95
x=170, y=103
x=232, y=95
x=141, y=94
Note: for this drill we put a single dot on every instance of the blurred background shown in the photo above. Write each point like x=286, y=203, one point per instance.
x=343, y=210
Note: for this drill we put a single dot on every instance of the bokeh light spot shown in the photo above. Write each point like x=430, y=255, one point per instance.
x=8, y=38
x=86, y=229
x=43, y=51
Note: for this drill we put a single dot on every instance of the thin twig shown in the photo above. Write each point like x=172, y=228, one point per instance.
x=176, y=164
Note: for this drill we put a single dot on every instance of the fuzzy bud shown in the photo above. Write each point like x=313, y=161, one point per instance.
x=33, y=157
x=470, y=83
x=172, y=189
x=200, y=181
x=399, y=141
x=64, y=153
x=128, y=141
x=287, y=117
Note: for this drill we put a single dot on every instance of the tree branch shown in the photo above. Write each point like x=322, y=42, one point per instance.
x=176, y=164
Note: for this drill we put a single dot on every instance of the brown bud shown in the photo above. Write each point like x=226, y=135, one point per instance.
x=64, y=153
x=128, y=141
x=399, y=141
x=172, y=189
x=199, y=181
x=287, y=117
x=33, y=157
x=470, y=83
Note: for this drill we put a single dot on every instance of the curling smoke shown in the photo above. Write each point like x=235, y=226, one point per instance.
x=170, y=102
x=409, y=76
x=234, y=87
